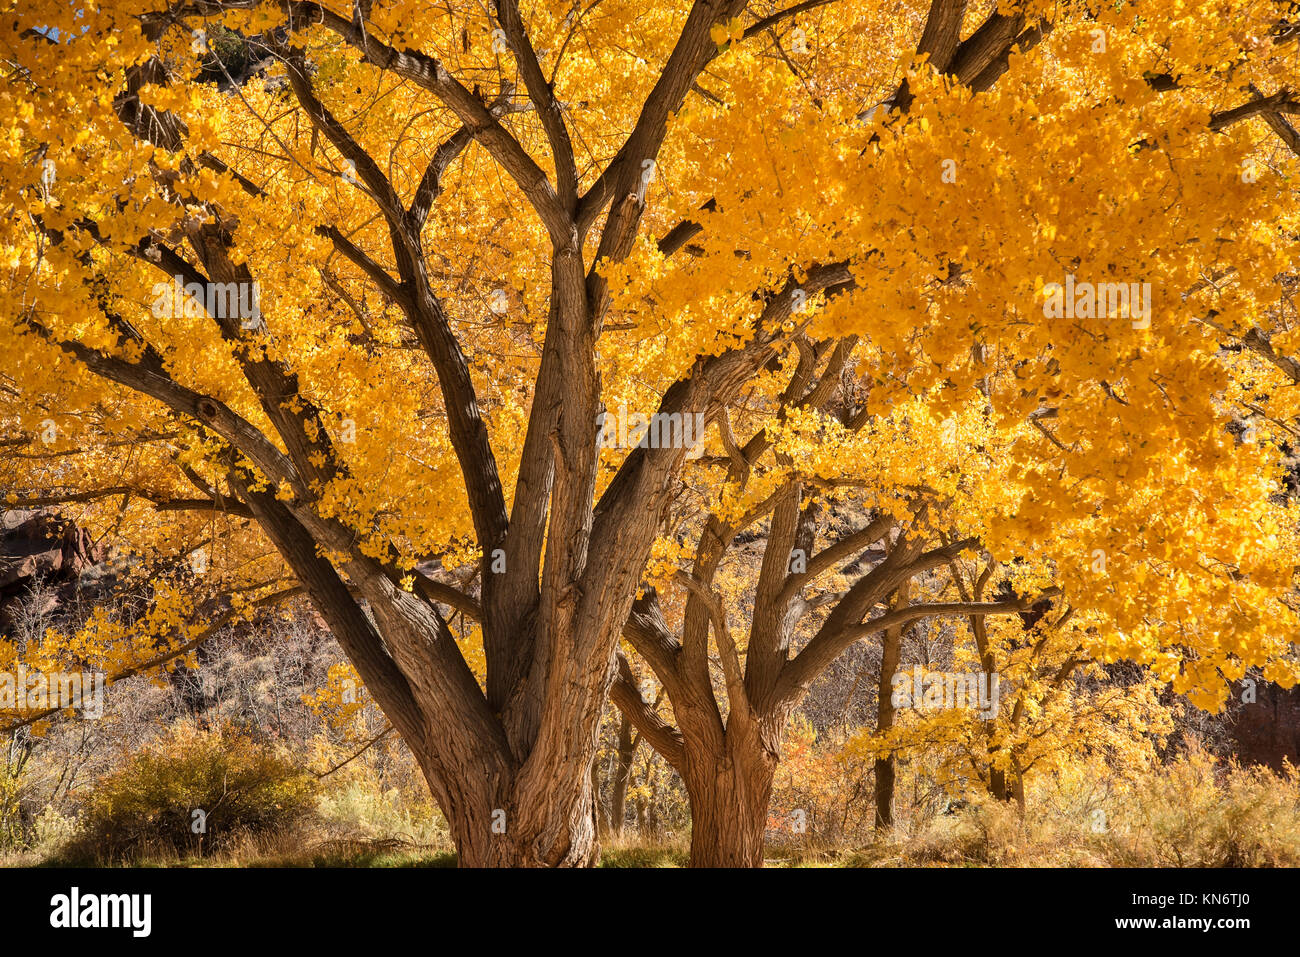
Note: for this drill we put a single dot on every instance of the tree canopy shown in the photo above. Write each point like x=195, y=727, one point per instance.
x=1000, y=290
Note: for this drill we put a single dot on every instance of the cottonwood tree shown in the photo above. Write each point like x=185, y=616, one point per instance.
x=1044, y=704
x=1072, y=480
x=473, y=230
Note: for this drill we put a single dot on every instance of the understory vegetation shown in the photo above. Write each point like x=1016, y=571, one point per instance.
x=291, y=765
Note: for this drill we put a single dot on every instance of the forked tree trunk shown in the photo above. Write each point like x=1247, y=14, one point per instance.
x=503, y=811
x=509, y=839
x=500, y=816
x=534, y=820
x=730, y=792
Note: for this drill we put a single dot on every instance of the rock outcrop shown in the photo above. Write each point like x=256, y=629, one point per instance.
x=41, y=548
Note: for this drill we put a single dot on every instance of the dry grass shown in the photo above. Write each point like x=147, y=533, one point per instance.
x=1194, y=812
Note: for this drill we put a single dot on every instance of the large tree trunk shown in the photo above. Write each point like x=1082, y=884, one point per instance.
x=506, y=835
x=504, y=807
x=499, y=817
x=421, y=683
x=730, y=790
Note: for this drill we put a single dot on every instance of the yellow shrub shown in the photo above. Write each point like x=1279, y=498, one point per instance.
x=193, y=790
x=1202, y=813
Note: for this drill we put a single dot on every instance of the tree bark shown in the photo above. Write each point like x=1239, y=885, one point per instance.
x=885, y=779
x=998, y=785
x=730, y=790
x=890, y=652
x=598, y=816
x=505, y=806
x=517, y=825
x=625, y=755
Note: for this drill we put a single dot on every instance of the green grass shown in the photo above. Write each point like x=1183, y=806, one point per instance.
x=360, y=854
x=642, y=856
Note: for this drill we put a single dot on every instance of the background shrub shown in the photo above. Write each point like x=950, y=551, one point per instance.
x=242, y=786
